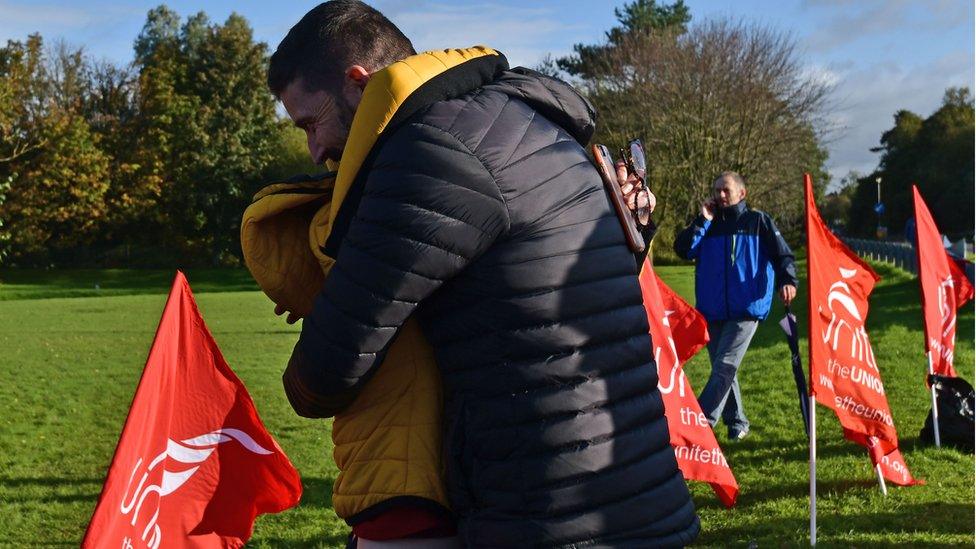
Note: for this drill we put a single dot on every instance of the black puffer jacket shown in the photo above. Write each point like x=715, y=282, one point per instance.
x=480, y=210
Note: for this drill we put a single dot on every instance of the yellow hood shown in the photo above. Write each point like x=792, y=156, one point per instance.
x=388, y=442
x=279, y=244
x=384, y=95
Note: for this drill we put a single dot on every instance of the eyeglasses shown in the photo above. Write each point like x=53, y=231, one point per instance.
x=637, y=166
x=608, y=173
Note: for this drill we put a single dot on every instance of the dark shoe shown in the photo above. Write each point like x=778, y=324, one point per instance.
x=736, y=434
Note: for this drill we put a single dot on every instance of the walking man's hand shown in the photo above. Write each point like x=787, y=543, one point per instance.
x=708, y=209
x=787, y=293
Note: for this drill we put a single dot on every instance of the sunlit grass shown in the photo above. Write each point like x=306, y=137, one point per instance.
x=68, y=369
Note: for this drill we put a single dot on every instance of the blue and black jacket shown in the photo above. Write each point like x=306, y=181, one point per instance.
x=740, y=257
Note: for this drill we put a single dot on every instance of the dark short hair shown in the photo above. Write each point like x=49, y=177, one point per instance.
x=331, y=37
x=734, y=176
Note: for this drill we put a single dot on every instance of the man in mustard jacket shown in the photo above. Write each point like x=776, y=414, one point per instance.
x=466, y=203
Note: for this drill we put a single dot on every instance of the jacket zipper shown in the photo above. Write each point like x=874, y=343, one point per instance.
x=727, y=308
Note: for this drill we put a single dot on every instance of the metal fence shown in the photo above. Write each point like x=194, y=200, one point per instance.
x=899, y=254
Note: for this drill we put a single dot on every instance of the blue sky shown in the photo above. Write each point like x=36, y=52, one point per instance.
x=880, y=55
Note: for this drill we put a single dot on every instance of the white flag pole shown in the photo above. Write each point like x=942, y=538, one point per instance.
x=935, y=406
x=881, y=480
x=813, y=471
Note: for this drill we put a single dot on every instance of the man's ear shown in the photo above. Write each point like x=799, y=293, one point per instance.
x=743, y=189
x=354, y=82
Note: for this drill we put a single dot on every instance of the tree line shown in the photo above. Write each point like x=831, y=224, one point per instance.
x=147, y=163
x=935, y=153
x=706, y=97
x=153, y=162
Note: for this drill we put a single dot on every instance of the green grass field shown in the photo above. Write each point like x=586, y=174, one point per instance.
x=71, y=355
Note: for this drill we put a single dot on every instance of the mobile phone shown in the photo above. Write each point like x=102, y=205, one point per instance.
x=604, y=165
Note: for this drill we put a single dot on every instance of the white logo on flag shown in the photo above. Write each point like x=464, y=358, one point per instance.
x=948, y=313
x=675, y=367
x=844, y=317
x=189, y=451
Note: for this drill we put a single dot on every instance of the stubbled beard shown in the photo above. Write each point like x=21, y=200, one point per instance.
x=346, y=114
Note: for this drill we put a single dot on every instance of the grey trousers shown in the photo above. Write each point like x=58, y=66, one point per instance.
x=721, y=397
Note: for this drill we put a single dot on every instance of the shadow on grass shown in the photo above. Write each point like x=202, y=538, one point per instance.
x=317, y=492
x=26, y=482
x=327, y=540
x=907, y=518
x=42, y=489
x=41, y=284
x=751, y=452
x=856, y=529
x=33, y=543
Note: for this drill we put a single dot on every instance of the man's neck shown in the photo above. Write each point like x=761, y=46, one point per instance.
x=733, y=211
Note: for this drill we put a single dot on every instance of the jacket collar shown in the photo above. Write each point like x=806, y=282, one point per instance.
x=733, y=212
x=393, y=95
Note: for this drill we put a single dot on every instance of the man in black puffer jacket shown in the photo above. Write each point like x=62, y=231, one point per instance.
x=477, y=209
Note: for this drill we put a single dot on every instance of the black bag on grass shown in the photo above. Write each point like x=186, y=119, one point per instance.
x=956, y=420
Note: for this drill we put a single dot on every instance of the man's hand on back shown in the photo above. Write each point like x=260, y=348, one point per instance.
x=292, y=317
x=629, y=185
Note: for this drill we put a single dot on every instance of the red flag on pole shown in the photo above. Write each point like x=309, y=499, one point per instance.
x=945, y=288
x=194, y=465
x=678, y=331
x=960, y=282
x=843, y=373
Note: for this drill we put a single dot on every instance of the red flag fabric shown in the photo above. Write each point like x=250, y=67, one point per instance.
x=960, y=282
x=678, y=331
x=944, y=289
x=194, y=465
x=843, y=373
x=887, y=456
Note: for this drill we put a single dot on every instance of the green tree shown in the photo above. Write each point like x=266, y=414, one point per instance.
x=209, y=127
x=23, y=91
x=289, y=157
x=161, y=29
x=56, y=172
x=836, y=205
x=707, y=98
x=4, y=234
x=56, y=202
x=161, y=155
x=935, y=153
x=637, y=19
x=112, y=110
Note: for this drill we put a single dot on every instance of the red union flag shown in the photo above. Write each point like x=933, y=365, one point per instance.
x=945, y=288
x=885, y=455
x=843, y=373
x=678, y=331
x=194, y=465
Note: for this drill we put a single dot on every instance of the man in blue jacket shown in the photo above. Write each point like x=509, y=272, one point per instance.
x=740, y=258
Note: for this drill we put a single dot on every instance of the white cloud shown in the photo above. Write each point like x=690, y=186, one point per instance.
x=96, y=27
x=28, y=16
x=523, y=34
x=820, y=74
x=21, y=18
x=846, y=21
x=869, y=97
